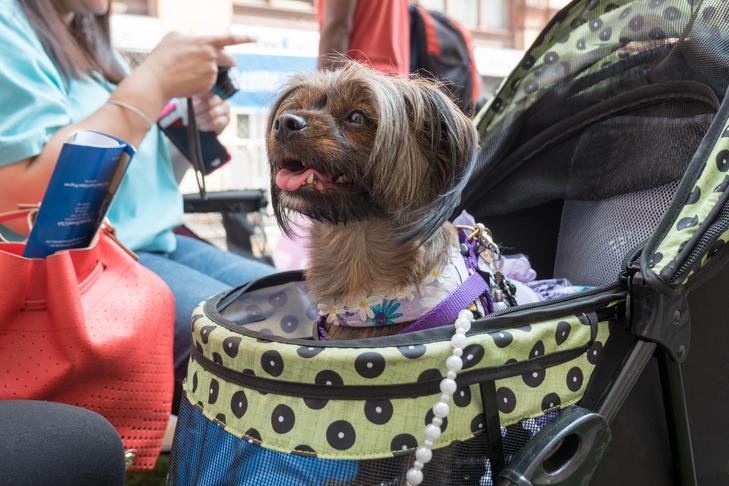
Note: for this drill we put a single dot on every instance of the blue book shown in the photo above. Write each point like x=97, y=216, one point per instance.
x=88, y=172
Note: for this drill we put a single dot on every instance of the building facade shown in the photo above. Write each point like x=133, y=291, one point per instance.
x=286, y=33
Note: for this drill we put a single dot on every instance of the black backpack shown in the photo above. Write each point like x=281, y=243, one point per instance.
x=440, y=48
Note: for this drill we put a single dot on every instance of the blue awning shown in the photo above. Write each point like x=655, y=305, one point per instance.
x=261, y=75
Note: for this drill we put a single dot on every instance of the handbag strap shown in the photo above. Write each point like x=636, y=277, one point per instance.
x=195, y=150
x=24, y=211
x=13, y=215
x=30, y=210
x=111, y=234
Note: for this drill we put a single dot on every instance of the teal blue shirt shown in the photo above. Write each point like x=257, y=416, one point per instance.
x=36, y=100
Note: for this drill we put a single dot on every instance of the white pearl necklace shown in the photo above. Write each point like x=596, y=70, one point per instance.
x=454, y=363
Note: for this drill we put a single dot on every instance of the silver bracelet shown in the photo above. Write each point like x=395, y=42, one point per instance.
x=131, y=108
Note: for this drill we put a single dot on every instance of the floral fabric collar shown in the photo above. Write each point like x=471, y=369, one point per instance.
x=289, y=309
x=404, y=305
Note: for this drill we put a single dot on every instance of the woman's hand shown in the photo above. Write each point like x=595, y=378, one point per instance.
x=180, y=66
x=184, y=65
x=211, y=112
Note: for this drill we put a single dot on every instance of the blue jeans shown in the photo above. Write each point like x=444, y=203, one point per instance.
x=196, y=271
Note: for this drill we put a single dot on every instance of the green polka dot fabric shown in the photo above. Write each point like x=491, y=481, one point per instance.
x=583, y=37
x=248, y=385
x=589, y=36
x=706, y=197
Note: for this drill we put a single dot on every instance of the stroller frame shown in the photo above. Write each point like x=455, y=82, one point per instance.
x=657, y=304
x=555, y=142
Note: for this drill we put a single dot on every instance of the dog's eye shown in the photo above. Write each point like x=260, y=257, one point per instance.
x=356, y=117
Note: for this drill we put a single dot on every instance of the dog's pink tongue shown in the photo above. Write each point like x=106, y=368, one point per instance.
x=287, y=180
x=291, y=181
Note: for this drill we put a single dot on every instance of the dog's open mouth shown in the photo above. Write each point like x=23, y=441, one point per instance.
x=295, y=175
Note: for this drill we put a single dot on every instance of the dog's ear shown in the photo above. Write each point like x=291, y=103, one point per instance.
x=446, y=136
x=428, y=172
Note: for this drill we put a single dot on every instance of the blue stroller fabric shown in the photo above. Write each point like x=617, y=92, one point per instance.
x=213, y=456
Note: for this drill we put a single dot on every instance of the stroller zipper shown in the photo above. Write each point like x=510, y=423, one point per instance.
x=710, y=235
x=389, y=391
x=628, y=268
x=597, y=290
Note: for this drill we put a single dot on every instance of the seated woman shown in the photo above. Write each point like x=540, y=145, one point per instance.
x=59, y=74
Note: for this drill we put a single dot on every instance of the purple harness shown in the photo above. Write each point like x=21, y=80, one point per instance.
x=474, y=288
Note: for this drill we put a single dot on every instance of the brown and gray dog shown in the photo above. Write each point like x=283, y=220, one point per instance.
x=378, y=163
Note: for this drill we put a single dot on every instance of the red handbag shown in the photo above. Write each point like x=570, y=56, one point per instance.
x=92, y=328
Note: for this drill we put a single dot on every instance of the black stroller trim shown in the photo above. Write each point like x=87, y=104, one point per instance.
x=371, y=392
x=721, y=259
x=598, y=298
x=669, y=278
x=658, y=306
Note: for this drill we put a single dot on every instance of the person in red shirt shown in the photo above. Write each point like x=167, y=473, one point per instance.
x=374, y=32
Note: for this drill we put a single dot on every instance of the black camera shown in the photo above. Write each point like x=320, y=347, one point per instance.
x=225, y=86
x=202, y=149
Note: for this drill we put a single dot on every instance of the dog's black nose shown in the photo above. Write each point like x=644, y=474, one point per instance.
x=287, y=124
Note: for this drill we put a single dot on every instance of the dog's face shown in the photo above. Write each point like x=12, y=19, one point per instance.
x=353, y=144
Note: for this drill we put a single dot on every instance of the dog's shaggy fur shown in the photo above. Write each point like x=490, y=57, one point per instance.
x=389, y=157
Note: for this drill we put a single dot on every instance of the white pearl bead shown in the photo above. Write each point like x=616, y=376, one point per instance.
x=423, y=454
x=432, y=432
x=414, y=477
x=458, y=341
x=462, y=325
x=441, y=409
x=454, y=363
x=448, y=386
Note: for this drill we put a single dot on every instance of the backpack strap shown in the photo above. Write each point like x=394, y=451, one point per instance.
x=468, y=40
x=432, y=44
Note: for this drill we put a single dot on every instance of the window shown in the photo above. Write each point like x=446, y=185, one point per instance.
x=433, y=4
x=464, y=11
x=294, y=4
x=135, y=7
x=243, y=129
x=494, y=14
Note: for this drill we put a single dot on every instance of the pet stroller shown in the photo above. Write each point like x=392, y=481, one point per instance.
x=604, y=157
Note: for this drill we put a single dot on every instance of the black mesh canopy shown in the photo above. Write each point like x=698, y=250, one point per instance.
x=594, y=129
